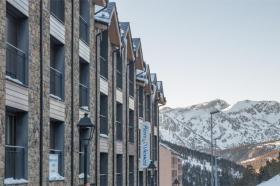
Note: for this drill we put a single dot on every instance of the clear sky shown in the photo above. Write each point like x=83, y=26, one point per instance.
x=208, y=49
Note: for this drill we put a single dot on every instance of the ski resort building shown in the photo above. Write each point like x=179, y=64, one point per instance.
x=170, y=166
x=60, y=60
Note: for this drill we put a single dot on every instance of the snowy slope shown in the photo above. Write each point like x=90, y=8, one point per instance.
x=246, y=122
x=275, y=181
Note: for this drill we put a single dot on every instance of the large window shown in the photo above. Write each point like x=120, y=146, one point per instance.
x=155, y=148
x=131, y=170
x=141, y=178
x=119, y=122
x=103, y=116
x=57, y=9
x=148, y=108
x=131, y=126
x=56, y=69
x=131, y=79
x=84, y=21
x=56, y=155
x=119, y=170
x=16, y=46
x=119, y=71
x=84, y=85
x=140, y=102
x=16, y=145
x=104, y=55
x=103, y=169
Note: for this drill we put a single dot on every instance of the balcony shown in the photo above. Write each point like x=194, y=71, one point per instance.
x=15, y=64
x=57, y=9
x=84, y=101
x=84, y=30
x=15, y=162
x=60, y=157
x=56, y=83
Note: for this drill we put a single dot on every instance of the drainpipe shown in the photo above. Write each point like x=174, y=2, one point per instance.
x=41, y=94
x=72, y=93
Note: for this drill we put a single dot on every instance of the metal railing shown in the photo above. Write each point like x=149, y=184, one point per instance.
x=84, y=101
x=57, y=9
x=131, y=133
x=15, y=63
x=131, y=88
x=15, y=162
x=119, y=130
x=84, y=30
x=103, y=67
x=103, y=124
x=103, y=179
x=56, y=82
x=60, y=155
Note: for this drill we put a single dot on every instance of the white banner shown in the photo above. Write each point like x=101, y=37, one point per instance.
x=145, y=151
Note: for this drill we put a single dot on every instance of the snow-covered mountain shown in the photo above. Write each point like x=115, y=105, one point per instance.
x=246, y=122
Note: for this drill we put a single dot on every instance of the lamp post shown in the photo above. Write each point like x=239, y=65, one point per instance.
x=212, y=167
x=151, y=168
x=176, y=182
x=86, y=130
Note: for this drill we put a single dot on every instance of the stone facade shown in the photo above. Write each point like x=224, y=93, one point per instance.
x=40, y=106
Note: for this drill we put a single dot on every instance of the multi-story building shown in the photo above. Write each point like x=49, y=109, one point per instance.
x=170, y=166
x=60, y=59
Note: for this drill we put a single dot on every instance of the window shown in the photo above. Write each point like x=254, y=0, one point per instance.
x=131, y=170
x=119, y=71
x=103, y=169
x=56, y=149
x=155, y=114
x=84, y=85
x=119, y=170
x=16, y=46
x=119, y=122
x=57, y=9
x=56, y=69
x=131, y=79
x=141, y=100
x=156, y=178
x=103, y=114
x=155, y=148
x=16, y=145
x=104, y=55
x=141, y=178
x=148, y=108
x=131, y=126
x=84, y=21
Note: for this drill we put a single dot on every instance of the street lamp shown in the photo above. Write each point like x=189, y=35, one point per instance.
x=212, y=168
x=176, y=182
x=86, y=130
x=151, y=169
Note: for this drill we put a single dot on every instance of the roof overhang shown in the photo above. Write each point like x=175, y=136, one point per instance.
x=130, y=53
x=101, y=2
x=114, y=31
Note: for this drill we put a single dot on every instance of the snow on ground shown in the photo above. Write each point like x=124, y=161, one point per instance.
x=275, y=181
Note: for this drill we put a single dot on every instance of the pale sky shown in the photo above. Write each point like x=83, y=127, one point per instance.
x=208, y=49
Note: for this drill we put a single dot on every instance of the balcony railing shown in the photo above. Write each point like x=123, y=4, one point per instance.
x=57, y=9
x=15, y=162
x=60, y=155
x=131, y=133
x=84, y=101
x=119, y=80
x=103, y=67
x=15, y=63
x=84, y=30
x=56, y=82
x=131, y=88
x=103, y=124
x=119, y=130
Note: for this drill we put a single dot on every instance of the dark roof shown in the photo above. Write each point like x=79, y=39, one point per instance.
x=124, y=26
x=136, y=43
x=105, y=15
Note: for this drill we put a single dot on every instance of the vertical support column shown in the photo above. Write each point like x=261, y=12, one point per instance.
x=2, y=88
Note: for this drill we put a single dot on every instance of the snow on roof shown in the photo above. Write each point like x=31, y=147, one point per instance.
x=136, y=43
x=124, y=27
x=105, y=15
x=275, y=181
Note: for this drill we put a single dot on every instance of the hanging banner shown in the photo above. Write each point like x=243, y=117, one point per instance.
x=145, y=151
